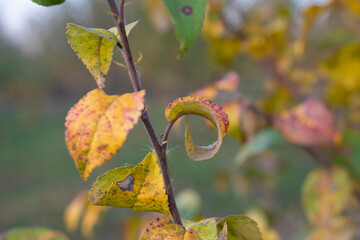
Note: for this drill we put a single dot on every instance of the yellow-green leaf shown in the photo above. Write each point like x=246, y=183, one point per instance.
x=206, y=228
x=207, y=109
x=325, y=194
x=36, y=233
x=128, y=29
x=240, y=228
x=97, y=126
x=140, y=188
x=94, y=46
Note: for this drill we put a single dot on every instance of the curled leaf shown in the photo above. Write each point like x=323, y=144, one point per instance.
x=140, y=188
x=97, y=126
x=309, y=124
x=204, y=108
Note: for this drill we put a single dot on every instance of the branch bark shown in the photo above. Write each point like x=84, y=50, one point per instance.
x=124, y=47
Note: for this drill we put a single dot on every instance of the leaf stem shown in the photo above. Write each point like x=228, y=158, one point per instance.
x=160, y=150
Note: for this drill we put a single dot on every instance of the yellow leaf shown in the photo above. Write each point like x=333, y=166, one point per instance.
x=90, y=219
x=81, y=207
x=74, y=210
x=310, y=15
x=97, y=126
x=338, y=228
x=326, y=192
x=207, y=109
x=352, y=5
x=140, y=188
x=309, y=124
x=163, y=228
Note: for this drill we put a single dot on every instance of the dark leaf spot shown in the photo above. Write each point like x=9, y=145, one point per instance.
x=127, y=184
x=187, y=10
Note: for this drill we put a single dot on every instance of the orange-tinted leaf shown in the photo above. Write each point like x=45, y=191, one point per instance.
x=97, y=126
x=229, y=83
x=208, y=92
x=207, y=109
x=163, y=228
x=309, y=124
x=325, y=194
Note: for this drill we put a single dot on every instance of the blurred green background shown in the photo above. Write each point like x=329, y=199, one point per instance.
x=41, y=78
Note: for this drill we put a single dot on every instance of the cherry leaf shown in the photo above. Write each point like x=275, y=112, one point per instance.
x=309, y=124
x=239, y=228
x=326, y=192
x=188, y=16
x=97, y=126
x=140, y=188
x=48, y=3
x=164, y=228
x=207, y=109
x=95, y=46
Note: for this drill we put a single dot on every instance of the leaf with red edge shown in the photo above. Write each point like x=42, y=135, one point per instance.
x=204, y=108
x=97, y=126
x=309, y=124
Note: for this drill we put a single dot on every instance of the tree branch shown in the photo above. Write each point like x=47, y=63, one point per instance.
x=119, y=19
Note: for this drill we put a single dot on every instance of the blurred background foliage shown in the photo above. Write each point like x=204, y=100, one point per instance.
x=275, y=46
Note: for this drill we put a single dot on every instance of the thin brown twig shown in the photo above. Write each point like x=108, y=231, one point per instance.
x=160, y=150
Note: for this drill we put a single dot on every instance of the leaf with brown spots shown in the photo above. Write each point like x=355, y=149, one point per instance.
x=204, y=108
x=140, y=188
x=309, y=124
x=164, y=229
x=97, y=126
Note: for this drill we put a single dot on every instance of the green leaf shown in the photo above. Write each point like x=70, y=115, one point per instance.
x=206, y=228
x=48, y=2
x=36, y=233
x=325, y=194
x=239, y=228
x=188, y=16
x=263, y=140
x=140, y=188
x=204, y=108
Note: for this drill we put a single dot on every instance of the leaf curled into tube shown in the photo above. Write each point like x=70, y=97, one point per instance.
x=98, y=125
x=204, y=108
